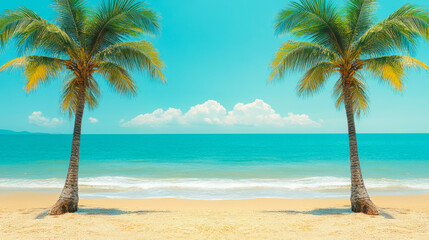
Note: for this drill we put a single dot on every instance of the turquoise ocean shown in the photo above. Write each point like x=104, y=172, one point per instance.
x=216, y=166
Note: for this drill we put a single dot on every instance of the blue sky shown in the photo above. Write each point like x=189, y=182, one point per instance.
x=217, y=55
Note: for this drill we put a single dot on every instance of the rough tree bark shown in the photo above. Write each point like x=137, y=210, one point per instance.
x=359, y=198
x=69, y=198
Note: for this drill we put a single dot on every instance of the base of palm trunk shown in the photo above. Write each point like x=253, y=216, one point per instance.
x=364, y=206
x=64, y=206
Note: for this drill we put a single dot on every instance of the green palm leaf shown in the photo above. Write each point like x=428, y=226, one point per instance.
x=315, y=78
x=72, y=17
x=117, y=20
x=70, y=93
x=318, y=20
x=136, y=55
x=392, y=68
x=398, y=32
x=32, y=32
x=37, y=69
x=358, y=94
x=118, y=77
x=359, y=16
x=297, y=55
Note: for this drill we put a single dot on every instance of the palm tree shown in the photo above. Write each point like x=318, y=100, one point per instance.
x=84, y=43
x=347, y=42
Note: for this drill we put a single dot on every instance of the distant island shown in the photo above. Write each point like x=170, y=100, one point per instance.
x=10, y=132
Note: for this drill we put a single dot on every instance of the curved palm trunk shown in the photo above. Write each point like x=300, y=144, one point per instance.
x=69, y=198
x=359, y=198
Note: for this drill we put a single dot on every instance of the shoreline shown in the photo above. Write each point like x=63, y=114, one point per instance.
x=17, y=200
x=304, y=187
x=24, y=216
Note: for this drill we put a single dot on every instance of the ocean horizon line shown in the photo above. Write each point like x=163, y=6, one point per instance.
x=12, y=132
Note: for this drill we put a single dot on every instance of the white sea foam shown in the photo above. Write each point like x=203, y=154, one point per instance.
x=217, y=188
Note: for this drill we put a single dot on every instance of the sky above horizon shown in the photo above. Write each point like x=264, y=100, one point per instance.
x=217, y=55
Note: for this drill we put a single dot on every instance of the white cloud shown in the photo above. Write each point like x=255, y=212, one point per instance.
x=93, y=120
x=257, y=113
x=156, y=118
x=37, y=118
x=300, y=119
x=254, y=114
x=210, y=112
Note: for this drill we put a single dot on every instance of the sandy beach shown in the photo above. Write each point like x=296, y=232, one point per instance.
x=24, y=216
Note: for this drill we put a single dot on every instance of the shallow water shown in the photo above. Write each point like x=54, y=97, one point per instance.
x=223, y=166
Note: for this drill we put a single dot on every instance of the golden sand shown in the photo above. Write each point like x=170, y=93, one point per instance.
x=23, y=216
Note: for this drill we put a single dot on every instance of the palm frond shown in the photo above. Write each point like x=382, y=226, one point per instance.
x=358, y=94
x=359, y=15
x=92, y=93
x=136, y=55
x=71, y=88
x=117, y=20
x=37, y=69
x=398, y=32
x=69, y=95
x=118, y=77
x=315, y=77
x=32, y=32
x=318, y=20
x=413, y=17
x=296, y=55
x=72, y=16
x=392, y=68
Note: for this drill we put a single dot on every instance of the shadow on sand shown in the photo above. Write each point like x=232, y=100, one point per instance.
x=101, y=211
x=329, y=211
